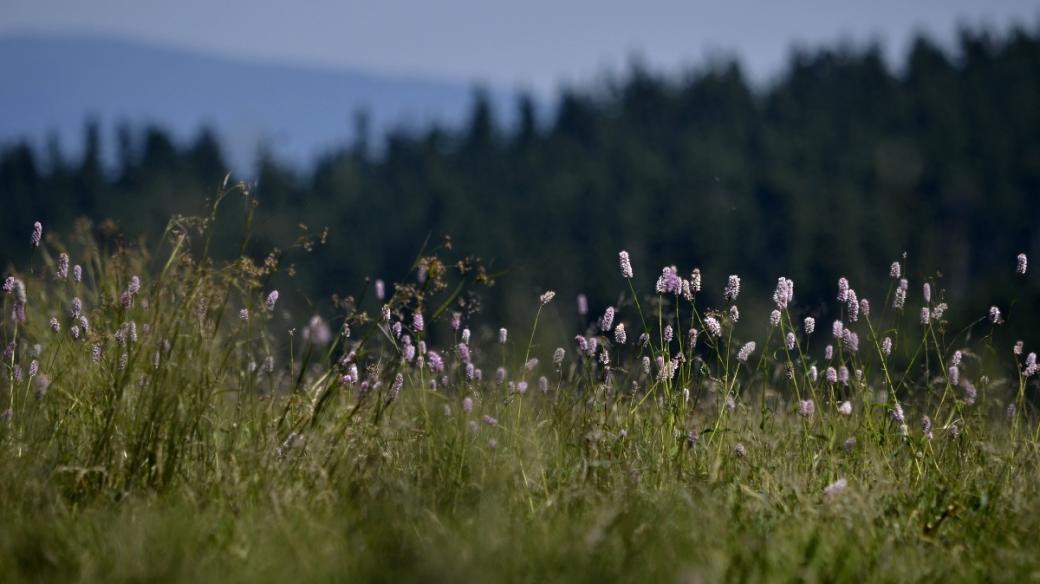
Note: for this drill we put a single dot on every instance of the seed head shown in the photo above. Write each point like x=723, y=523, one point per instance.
x=546, y=297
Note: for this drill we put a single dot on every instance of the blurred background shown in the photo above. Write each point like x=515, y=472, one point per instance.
x=809, y=139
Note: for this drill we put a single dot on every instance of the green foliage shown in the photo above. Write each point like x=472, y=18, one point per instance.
x=182, y=453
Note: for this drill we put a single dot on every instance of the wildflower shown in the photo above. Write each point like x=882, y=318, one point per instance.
x=409, y=352
x=583, y=343
x=434, y=361
x=850, y=443
x=418, y=323
x=774, y=318
x=899, y=300
x=746, y=351
x=380, y=290
x=1023, y=262
x=395, y=388
x=838, y=329
x=732, y=289
x=543, y=384
x=124, y=360
x=467, y=404
x=668, y=333
x=55, y=325
x=926, y=293
x=558, y=356
x=669, y=281
x=489, y=420
x=851, y=341
x=813, y=373
x=269, y=364
x=843, y=375
x=832, y=375
x=243, y=315
x=692, y=335
x=644, y=340
x=155, y=360
x=604, y=358
x=739, y=450
x=853, y=305
x=734, y=313
x=646, y=365
x=895, y=271
x=806, y=408
x=810, y=325
x=63, y=266
x=956, y=359
x=272, y=299
x=695, y=280
x=687, y=292
x=994, y=315
x=938, y=310
x=843, y=290
x=1018, y=348
x=1031, y=366
x=531, y=363
x=835, y=488
x=1011, y=411
x=471, y=372
x=465, y=335
x=845, y=408
x=864, y=307
x=713, y=326
x=828, y=352
x=34, y=368
x=619, y=334
x=790, y=341
x=19, y=375
x=626, y=264
x=75, y=331
x=886, y=346
x=583, y=305
x=897, y=414
x=926, y=427
x=77, y=273
x=926, y=315
x=546, y=297
x=95, y=353
x=37, y=234
x=607, y=322
x=503, y=335
x=500, y=375
x=456, y=321
x=691, y=438
x=784, y=293
x=463, y=350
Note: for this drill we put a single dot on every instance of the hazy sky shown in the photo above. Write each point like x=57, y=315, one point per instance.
x=534, y=44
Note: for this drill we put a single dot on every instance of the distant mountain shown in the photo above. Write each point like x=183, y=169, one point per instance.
x=52, y=84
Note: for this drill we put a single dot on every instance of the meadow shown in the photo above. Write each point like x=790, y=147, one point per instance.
x=167, y=418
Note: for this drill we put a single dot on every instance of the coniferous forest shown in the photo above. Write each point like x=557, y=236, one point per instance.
x=837, y=167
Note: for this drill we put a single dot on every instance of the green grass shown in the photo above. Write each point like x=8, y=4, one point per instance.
x=191, y=461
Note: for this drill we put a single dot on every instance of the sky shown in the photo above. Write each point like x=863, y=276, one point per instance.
x=536, y=45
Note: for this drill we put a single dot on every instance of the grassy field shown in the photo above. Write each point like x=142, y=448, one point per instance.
x=166, y=420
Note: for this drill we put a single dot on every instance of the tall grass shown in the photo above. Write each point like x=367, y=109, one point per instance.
x=188, y=429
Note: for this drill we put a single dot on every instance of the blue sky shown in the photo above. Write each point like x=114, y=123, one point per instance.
x=533, y=44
